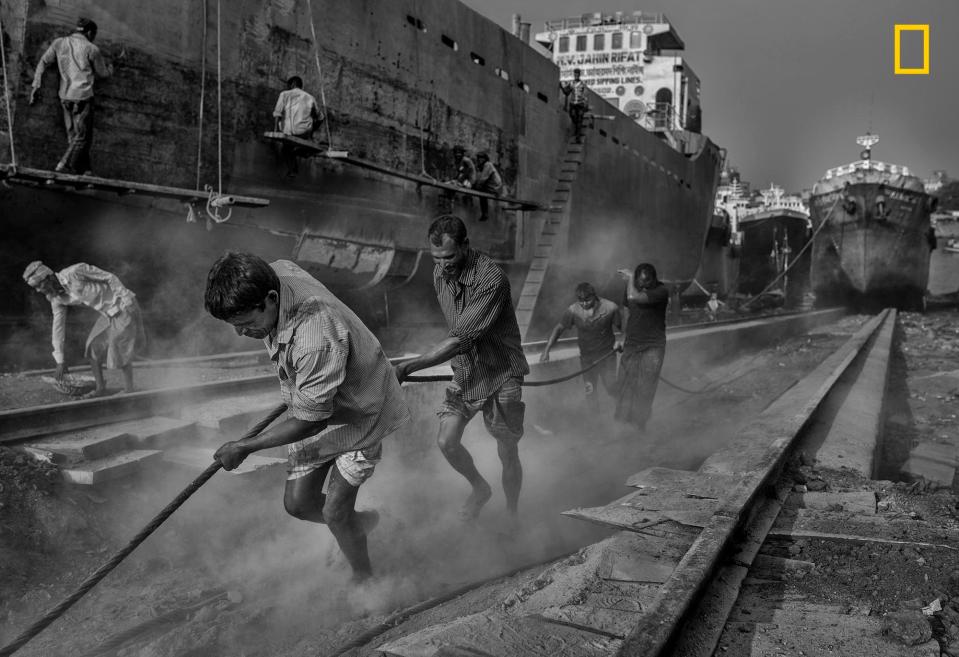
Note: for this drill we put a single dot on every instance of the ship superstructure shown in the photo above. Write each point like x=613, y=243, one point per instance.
x=633, y=62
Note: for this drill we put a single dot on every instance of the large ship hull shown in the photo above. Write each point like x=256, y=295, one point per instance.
x=944, y=259
x=403, y=83
x=772, y=254
x=874, y=249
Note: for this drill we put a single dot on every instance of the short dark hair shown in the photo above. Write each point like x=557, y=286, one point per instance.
x=447, y=224
x=238, y=283
x=585, y=290
x=482, y=155
x=86, y=26
x=295, y=81
x=644, y=268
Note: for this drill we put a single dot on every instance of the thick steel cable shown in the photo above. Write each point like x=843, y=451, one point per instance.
x=219, y=106
x=528, y=384
x=114, y=561
x=6, y=96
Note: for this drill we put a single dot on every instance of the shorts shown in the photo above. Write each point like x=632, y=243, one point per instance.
x=356, y=466
x=503, y=412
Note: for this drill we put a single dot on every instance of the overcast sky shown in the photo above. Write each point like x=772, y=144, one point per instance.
x=788, y=85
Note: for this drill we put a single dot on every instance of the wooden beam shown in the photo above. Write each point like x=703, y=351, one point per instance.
x=75, y=182
x=345, y=157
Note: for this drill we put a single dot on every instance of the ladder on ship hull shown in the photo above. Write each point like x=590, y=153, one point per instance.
x=557, y=216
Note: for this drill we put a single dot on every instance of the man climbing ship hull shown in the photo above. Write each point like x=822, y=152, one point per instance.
x=398, y=92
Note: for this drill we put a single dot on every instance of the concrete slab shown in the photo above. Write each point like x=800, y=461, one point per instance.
x=97, y=471
x=638, y=568
x=616, y=622
x=688, y=482
x=918, y=467
x=94, y=443
x=813, y=523
x=861, y=502
x=201, y=457
x=638, y=511
x=233, y=415
x=487, y=634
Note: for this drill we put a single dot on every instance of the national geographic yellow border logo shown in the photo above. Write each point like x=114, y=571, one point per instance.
x=925, y=50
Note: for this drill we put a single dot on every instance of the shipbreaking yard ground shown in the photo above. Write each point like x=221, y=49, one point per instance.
x=755, y=518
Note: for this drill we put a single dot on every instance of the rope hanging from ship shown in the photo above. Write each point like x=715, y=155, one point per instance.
x=6, y=97
x=808, y=243
x=319, y=71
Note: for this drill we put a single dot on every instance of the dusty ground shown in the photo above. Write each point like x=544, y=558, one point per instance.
x=230, y=574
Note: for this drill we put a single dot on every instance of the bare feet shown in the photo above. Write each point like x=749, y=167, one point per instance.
x=479, y=497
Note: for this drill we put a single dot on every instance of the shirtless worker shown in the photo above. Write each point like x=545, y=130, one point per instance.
x=487, y=360
x=340, y=390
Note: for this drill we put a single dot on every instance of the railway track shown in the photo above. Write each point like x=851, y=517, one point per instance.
x=668, y=582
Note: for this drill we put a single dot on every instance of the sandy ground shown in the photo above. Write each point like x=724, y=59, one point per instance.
x=231, y=574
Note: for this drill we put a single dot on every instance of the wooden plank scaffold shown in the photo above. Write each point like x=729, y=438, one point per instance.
x=75, y=182
x=343, y=156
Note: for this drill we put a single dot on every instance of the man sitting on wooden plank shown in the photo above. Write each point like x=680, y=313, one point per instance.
x=297, y=115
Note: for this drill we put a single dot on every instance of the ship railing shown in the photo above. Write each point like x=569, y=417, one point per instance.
x=594, y=20
x=867, y=165
x=661, y=116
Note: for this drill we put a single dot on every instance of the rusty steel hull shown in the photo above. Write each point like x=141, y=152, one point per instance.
x=772, y=241
x=402, y=86
x=869, y=259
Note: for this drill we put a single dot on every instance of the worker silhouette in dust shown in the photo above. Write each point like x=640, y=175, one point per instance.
x=117, y=335
x=577, y=102
x=644, y=306
x=465, y=168
x=341, y=392
x=486, y=356
x=595, y=319
x=295, y=114
x=80, y=63
x=487, y=180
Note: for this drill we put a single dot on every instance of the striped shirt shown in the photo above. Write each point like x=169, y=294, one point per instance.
x=479, y=312
x=79, y=61
x=331, y=368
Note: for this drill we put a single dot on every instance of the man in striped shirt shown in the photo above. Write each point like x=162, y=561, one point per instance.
x=341, y=392
x=487, y=359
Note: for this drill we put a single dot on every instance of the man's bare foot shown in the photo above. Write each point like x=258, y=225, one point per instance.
x=100, y=392
x=479, y=497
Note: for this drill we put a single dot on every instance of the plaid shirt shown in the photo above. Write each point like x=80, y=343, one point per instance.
x=332, y=368
x=479, y=312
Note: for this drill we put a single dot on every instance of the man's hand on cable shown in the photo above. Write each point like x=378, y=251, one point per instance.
x=402, y=371
x=35, y=95
x=544, y=357
x=231, y=454
x=60, y=371
x=625, y=273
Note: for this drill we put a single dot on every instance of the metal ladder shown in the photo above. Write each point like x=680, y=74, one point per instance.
x=557, y=215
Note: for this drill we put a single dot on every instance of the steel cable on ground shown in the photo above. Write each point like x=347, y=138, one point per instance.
x=143, y=534
x=6, y=97
x=528, y=384
x=812, y=239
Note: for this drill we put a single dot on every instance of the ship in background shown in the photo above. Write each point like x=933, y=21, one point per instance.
x=944, y=259
x=401, y=85
x=873, y=250
x=774, y=229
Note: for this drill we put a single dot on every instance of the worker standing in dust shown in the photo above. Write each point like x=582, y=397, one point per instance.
x=644, y=302
x=595, y=320
x=118, y=333
x=341, y=392
x=486, y=356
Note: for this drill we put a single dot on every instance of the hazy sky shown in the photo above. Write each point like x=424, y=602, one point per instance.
x=788, y=85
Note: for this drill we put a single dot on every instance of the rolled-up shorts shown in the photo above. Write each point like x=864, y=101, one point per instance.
x=356, y=466
x=503, y=412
